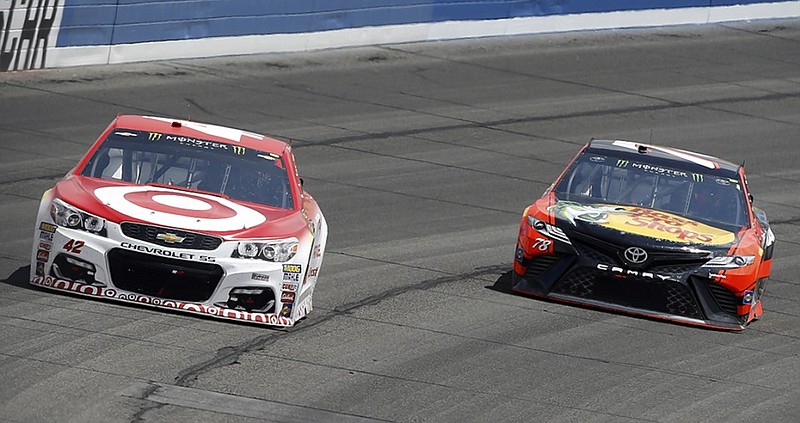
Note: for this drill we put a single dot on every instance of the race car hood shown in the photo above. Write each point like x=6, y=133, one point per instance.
x=639, y=226
x=176, y=208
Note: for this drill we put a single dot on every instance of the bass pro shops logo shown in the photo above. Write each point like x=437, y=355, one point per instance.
x=26, y=31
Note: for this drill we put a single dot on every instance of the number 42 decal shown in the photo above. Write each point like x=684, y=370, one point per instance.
x=74, y=246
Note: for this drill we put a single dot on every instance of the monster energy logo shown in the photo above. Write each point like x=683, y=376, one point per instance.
x=238, y=150
x=622, y=163
x=697, y=177
x=155, y=136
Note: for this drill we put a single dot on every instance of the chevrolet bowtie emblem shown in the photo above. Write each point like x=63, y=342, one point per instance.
x=170, y=238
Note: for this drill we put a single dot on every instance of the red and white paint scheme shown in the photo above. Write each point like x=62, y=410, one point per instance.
x=184, y=216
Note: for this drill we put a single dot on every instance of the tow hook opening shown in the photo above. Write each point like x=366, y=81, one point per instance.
x=73, y=269
x=249, y=299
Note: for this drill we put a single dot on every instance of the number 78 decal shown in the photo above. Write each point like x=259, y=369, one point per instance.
x=542, y=244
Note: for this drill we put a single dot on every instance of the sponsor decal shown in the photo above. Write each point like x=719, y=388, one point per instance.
x=239, y=150
x=292, y=268
x=313, y=272
x=45, y=246
x=286, y=310
x=660, y=170
x=597, y=159
x=263, y=277
x=272, y=319
x=167, y=253
x=126, y=134
x=645, y=222
x=573, y=211
x=27, y=29
x=46, y=236
x=663, y=225
x=42, y=255
x=289, y=286
x=287, y=297
x=619, y=271
x=305, y=307
x=154, y=136
x=519, y=255
x=198, y=143
x=747, y=298
x=47, y=227
x=184, y=210
x=39, y=268
x=291, y=272
x=317, y=251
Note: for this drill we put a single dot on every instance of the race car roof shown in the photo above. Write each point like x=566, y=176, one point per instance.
x=666, y=156
x=202, y=131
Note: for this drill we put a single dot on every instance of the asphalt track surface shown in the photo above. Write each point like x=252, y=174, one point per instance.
x=423, y=157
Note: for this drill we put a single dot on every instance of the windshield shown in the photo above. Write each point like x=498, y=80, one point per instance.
x=597, y=178
x=231, y=170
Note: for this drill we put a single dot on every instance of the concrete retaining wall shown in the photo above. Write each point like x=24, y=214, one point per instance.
x=54, y=33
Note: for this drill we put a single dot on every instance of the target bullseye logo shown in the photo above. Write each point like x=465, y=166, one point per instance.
x=192, y=211
x=181, y=201
x=180, y=204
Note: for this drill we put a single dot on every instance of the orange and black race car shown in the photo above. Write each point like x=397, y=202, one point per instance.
x=651, y=231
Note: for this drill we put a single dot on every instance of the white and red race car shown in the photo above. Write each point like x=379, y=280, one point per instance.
x=184, y=216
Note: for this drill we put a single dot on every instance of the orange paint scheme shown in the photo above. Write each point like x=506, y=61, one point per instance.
x=580, y=244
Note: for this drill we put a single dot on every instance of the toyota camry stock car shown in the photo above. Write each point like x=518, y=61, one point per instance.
x=648, y=230
x=184, y=216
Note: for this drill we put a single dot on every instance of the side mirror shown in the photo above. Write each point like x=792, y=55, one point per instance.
x=301, y=184
x=750, y=196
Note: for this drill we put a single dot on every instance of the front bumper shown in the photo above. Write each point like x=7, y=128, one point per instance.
x=677, y=305
x=206, y=282
x=271, y=319
x=683, y=292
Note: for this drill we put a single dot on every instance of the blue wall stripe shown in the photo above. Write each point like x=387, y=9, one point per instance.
x=104, y=22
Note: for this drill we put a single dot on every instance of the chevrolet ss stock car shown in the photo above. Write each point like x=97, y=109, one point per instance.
x=649, y=231
x=184, y=216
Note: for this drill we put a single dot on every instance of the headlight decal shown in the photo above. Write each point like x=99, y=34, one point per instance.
x=278, y=251
x=71, y=217
x=730, y=262
x=547, y=229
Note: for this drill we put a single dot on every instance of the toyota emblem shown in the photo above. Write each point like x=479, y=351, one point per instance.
x=635, y=255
